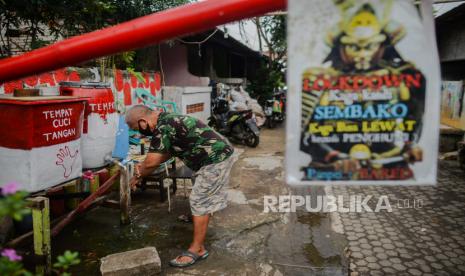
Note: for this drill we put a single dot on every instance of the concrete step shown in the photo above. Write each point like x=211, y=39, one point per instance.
x=144, y=261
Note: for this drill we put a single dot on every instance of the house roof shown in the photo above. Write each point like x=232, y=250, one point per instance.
x=451, y=17
x=224, y=40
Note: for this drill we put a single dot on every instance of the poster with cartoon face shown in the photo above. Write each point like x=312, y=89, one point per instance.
x=365, y=84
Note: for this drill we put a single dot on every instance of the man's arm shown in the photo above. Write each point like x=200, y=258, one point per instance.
x=151, y=162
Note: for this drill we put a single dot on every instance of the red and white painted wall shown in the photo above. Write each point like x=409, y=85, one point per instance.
x=50, y=79
x=126, y=84
x=123, y=83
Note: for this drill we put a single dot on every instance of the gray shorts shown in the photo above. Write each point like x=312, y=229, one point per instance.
x=209, y=193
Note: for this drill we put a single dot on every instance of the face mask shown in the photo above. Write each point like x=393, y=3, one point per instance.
x=145, y=132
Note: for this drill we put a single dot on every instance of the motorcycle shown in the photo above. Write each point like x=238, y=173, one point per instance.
x=239, y=126
x=274, y=110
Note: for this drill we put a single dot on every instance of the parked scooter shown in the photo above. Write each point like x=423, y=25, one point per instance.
x=275, y=110
x=239, y=126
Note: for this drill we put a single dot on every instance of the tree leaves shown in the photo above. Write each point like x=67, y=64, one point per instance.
x=45, y=21
x=270, y=74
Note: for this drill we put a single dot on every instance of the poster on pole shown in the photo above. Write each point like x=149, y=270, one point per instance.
x=364, y=90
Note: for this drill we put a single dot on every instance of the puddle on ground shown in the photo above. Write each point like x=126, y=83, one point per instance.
x=311, y=219
x=294, y=249
x=289, y=248
x=98, y=233
x=314, y=257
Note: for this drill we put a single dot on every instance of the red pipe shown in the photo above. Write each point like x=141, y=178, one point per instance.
x=137, y=33
x=85, y=204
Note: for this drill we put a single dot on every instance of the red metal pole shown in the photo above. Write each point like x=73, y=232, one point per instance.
x=84, y=205
x=141, y=32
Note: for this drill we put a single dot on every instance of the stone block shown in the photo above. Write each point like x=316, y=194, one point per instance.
x=143, y=261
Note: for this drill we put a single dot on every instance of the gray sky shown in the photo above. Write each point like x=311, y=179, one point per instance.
x=251, y=37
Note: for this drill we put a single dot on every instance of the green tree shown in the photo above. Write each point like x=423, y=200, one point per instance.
x=272, y=31
x=13, y=204
x=40, y=22
x=271, y=73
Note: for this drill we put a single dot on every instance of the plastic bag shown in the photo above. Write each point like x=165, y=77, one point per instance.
x=238, y=97
x=238, y=106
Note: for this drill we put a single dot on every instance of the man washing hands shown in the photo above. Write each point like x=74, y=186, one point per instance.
x=203, y=150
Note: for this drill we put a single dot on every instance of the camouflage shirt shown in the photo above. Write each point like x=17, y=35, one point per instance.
x=189, y=139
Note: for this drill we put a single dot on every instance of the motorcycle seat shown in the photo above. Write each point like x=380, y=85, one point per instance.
x=239, y=112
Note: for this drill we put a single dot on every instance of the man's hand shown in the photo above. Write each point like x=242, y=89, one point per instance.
x=151, y=162
x=133, y=183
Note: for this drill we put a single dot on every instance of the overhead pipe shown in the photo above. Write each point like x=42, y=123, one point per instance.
x=137, y=33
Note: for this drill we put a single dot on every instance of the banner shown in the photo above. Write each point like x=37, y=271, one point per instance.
x=451, y=103
x=364, y=83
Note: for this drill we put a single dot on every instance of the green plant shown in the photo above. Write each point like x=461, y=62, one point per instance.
x=65, y=261
x=13, y=204
x=10, y=265
x=269, y=77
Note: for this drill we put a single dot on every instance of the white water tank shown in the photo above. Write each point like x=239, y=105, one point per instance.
x=100, y=123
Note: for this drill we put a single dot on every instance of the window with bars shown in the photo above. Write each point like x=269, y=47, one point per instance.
x=194, y=108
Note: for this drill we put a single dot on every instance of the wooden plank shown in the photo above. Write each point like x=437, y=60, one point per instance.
x=124, y=196
x=41, y=228
x=455, y=123
x=448, y=130
x=25, y=237
x=112, y=170
x=72, y=187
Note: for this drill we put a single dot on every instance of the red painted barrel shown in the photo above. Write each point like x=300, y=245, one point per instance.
x=40, y=140
x=100, y=123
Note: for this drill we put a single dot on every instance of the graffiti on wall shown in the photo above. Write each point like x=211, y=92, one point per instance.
x=49, y=79
x=126, y=84
x=123, y=84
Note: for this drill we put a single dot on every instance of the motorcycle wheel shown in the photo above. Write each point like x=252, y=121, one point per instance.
x=252, y=140
x=213, y=124
x=270, y=122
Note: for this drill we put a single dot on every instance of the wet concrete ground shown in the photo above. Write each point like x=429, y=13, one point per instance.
x=242, y=239
x=423, y=235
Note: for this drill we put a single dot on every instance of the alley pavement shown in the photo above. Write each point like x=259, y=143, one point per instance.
x=423, y=235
